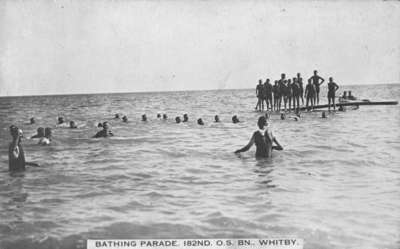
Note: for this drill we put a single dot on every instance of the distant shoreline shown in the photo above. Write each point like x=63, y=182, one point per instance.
x=171, y=91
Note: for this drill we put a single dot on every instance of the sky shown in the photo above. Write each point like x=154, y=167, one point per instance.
x=70, y=47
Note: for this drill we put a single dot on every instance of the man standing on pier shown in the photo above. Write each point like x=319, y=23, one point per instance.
x=317, y=81
x=260, y=95
x=268, y=93
x=332, y=88
x=300, y=83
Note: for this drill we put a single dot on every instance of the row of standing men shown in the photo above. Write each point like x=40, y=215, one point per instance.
x=291, y=91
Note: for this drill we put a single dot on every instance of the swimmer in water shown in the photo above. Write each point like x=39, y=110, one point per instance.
x=158, y=115
x=72, y=125
x=264, y=140
x=60, y=120
x=40, y=133
x=125, y=119
x=47, y=137
x=200, y=121
x=216, y=119
x=105, y=132
x=144, y=118
x=16, y=154
x=185, y=118
x=164, y=116
x=178, y=120
x=332, y=88
x=116, y=116
x=235, y=119
x=32, y=120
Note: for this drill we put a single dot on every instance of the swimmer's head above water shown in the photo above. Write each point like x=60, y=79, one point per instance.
x=144, y=117
x=116, y=116
x=32, y=120
x=216, y=119
x=60, y=120
x=158, y=115
x=72, y=124
x=105, y=132
x=200, y=121
x=125, y=119
x=262, y=122
x=235, y=119
x=185, y=118
x=177, y=120
x=15, y=132
x=283, y=116
x=105, y=125
x=40, y=132
x=165, y=116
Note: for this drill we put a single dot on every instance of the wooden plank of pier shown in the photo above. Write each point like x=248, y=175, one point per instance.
x=353, y=103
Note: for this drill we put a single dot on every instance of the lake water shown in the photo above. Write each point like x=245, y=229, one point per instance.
x=336, y=184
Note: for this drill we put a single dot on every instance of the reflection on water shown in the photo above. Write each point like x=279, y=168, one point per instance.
x=335, y=184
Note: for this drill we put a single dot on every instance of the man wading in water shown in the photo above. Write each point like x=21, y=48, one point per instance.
x=263, y=139
x=16, y=155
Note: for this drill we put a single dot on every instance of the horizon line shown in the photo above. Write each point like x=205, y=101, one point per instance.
x=193, y=90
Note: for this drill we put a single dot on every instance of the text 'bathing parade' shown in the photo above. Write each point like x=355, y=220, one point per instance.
x=281, y=98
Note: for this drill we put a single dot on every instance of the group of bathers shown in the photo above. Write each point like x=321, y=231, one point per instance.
x=290, y=91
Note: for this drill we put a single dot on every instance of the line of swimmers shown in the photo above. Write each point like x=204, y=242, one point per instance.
x=178, y=119
x=291, y=91
x=263, y=138
x=45, y=134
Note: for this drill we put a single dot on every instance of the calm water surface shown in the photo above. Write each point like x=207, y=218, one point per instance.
x=336, y=184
